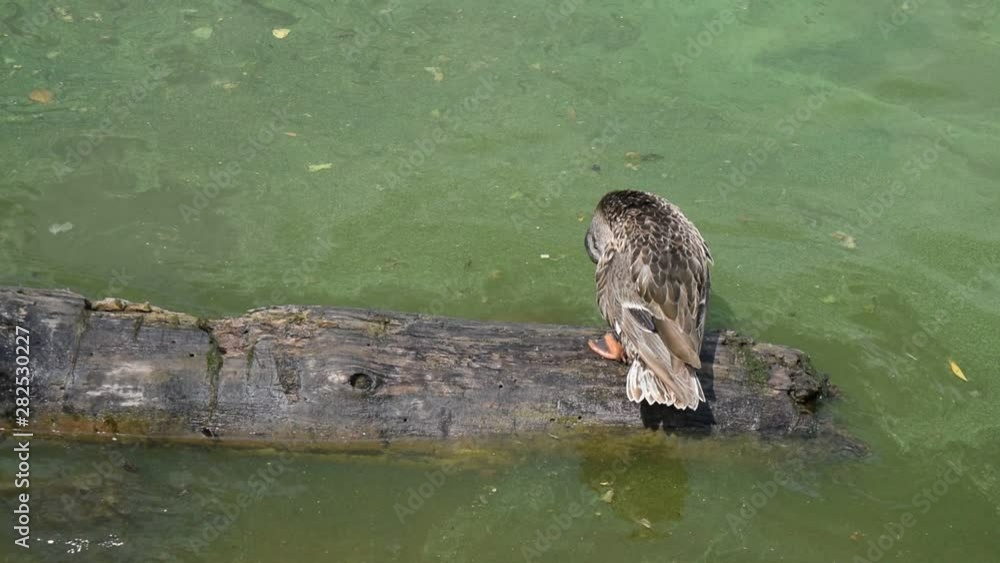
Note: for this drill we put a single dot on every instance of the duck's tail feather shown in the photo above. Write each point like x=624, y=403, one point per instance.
x=678, y=387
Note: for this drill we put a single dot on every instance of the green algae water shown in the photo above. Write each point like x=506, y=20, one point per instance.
x=841, y=159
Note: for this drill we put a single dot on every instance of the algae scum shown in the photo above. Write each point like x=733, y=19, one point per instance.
x=444, y=157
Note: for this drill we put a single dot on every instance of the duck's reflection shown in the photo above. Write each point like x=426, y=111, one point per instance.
x=643, y=482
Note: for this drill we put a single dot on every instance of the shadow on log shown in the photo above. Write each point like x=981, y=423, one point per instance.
x=325, y=375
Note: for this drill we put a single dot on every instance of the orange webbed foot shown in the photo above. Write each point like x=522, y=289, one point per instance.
x=609, y=349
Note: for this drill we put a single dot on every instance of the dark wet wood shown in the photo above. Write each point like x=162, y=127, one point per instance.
x=328, y=374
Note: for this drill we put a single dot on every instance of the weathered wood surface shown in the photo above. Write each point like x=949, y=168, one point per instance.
x=328, y=375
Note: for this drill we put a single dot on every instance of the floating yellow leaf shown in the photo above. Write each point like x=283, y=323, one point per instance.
x=956, y=370
x=41, y=96
x=318, y=167
x=280, y=32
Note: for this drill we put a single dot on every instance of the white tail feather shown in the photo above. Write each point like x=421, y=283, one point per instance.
x=643, y=385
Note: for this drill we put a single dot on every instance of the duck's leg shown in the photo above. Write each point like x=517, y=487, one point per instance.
x=609, y=349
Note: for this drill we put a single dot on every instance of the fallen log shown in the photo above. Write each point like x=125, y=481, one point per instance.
x=320, y=374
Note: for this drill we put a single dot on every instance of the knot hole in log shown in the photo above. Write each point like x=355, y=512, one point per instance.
x=363, y=381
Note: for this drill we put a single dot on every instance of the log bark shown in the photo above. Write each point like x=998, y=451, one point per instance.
x=320, y=374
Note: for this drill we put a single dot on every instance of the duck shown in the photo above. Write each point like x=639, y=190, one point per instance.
x=653, y=281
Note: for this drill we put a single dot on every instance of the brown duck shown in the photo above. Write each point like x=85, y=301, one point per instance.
x=652, y=288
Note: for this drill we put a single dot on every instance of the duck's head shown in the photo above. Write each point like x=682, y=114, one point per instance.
x=612, y=212
x=598, y=236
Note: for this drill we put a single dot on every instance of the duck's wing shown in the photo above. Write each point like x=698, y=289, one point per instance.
x=663, y=308
x=669, y=265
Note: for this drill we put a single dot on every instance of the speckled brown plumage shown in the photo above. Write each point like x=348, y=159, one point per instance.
x=653, y=283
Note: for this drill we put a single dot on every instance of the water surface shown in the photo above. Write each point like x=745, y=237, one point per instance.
x=840, y=158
